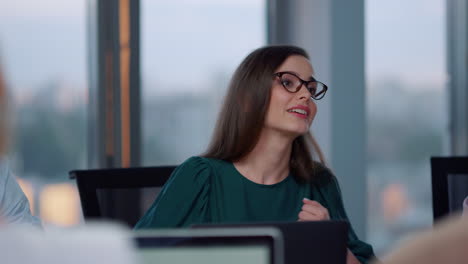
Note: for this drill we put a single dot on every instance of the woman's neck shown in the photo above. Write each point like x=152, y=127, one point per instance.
x=268, y=162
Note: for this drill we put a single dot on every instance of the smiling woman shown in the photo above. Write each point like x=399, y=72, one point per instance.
x=260, y=164
x=257, y=90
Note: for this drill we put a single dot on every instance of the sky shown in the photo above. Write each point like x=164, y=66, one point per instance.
x=46, y=40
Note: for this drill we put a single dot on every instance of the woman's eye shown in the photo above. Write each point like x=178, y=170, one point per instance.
x=287, y=83
x=312, y=88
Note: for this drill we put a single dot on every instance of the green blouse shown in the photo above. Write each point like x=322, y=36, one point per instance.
x=205, y=190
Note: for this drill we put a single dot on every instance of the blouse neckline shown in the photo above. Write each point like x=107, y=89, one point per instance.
x=259, y=184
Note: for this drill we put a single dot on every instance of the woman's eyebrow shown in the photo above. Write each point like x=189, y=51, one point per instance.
x=311, y=78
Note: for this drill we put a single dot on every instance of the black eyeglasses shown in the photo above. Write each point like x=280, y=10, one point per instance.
x=292, y=83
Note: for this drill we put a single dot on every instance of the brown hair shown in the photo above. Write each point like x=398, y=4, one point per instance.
x=242, y=116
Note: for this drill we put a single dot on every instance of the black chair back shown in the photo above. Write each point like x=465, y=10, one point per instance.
x=449, y=184
x=121, y=194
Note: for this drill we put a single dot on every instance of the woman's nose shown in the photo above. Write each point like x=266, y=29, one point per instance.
x=304, y=92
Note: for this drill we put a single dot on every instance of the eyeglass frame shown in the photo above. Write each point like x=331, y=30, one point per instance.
x=303, y=82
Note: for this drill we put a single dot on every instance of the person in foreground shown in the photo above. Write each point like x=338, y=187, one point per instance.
x=14, y=206
x=447, y=243
x=259, y=165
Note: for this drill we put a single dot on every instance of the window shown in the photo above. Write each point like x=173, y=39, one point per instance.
x=407, y=114
x=189, y=52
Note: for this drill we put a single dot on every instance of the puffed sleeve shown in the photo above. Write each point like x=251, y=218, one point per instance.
x=183, y=199
x=330, y=193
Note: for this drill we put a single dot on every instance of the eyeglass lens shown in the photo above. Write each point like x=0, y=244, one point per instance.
x=293, y=84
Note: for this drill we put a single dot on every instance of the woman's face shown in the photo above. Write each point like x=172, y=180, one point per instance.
x=291, y=113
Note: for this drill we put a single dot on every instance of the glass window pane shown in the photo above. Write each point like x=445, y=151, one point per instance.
x=189, y=52
x=43, y=54
x=407, y=114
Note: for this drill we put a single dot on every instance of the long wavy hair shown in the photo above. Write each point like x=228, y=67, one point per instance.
x=243, y=113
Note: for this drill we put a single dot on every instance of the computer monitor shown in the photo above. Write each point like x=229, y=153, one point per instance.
x=305, y=242
x=206, y=246
x=449, y=185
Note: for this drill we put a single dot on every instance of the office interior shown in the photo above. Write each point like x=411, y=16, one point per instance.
x=131, y=83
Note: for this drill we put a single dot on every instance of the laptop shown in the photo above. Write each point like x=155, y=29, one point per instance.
x=306, y=242
x=259, y=245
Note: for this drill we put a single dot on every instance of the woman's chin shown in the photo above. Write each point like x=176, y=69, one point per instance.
x=302, y=130
x=298, y=132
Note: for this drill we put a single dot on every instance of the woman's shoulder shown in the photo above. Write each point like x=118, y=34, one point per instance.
x=193, y=164
x=200, y=167
x=212, y=164
x=194, y=172
x=203, y=163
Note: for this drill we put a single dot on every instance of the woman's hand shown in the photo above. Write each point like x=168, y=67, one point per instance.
x=313, y=211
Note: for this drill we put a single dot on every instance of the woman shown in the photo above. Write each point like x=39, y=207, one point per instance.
x=259, y=166
x=14, y=206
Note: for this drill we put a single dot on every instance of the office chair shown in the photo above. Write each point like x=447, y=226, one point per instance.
x=118, y=194
x=449, y=184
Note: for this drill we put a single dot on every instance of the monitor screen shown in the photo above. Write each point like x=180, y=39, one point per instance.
x=210, y=246
x=223, y=254
x=457, y=191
